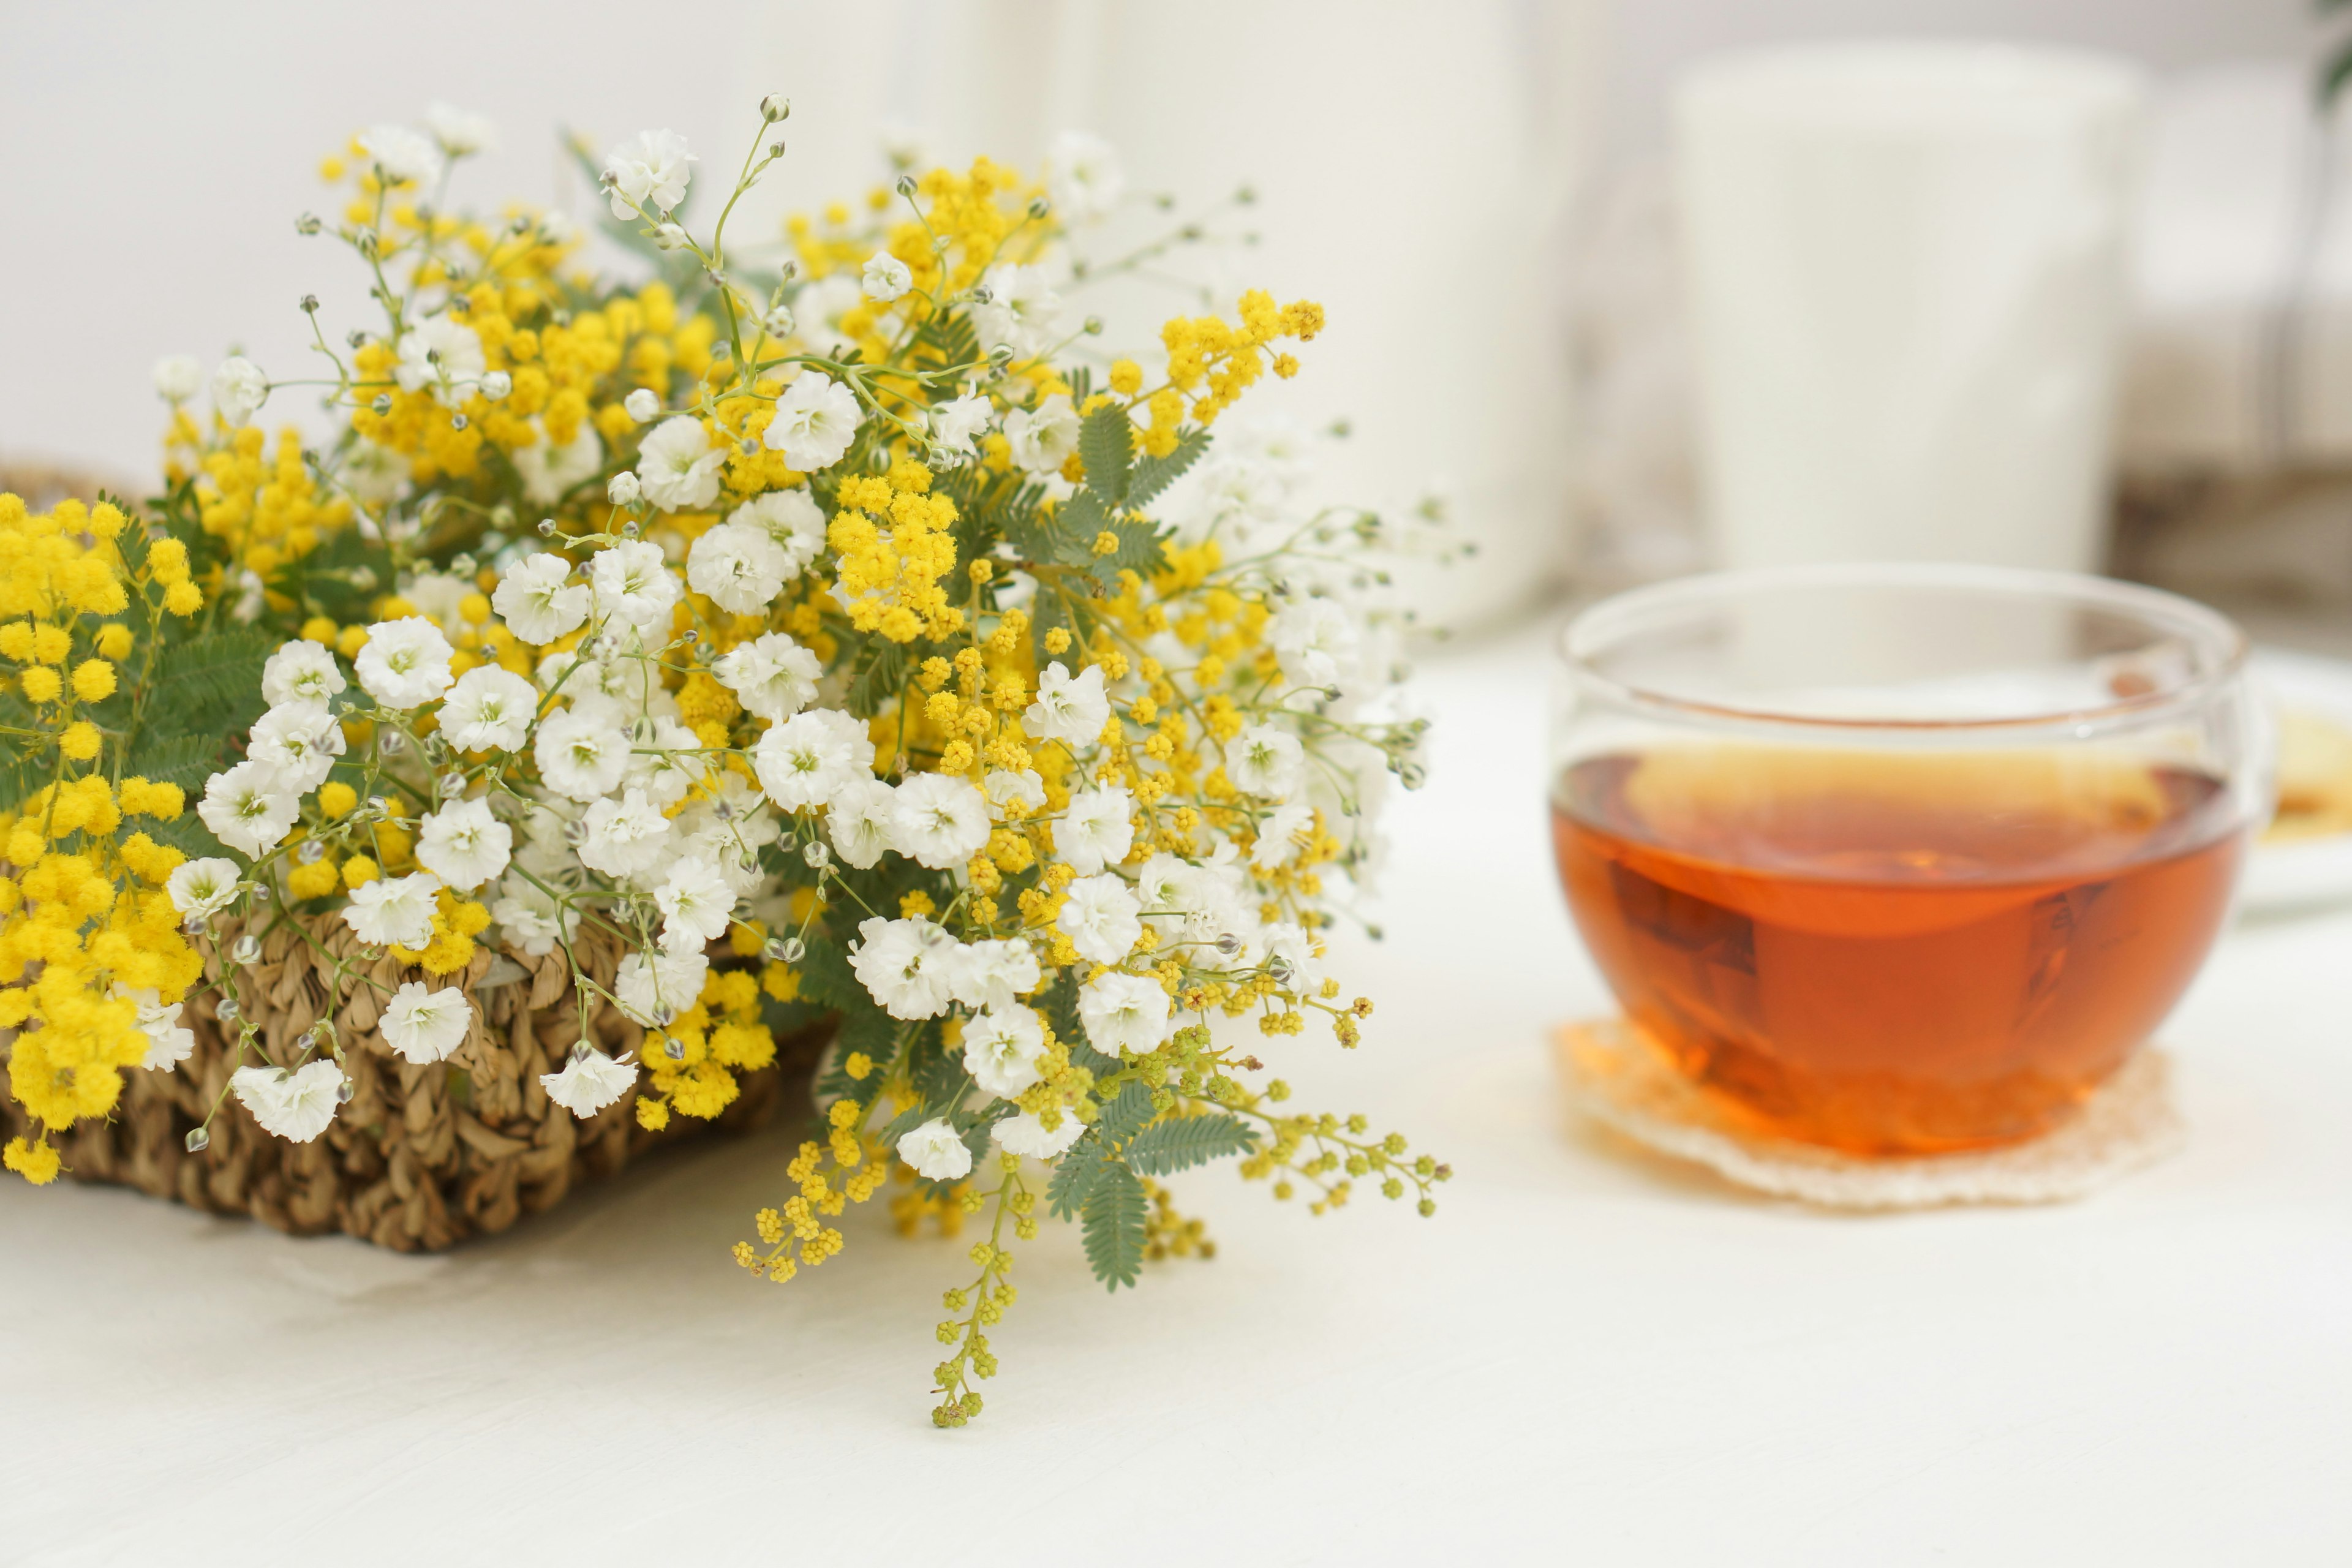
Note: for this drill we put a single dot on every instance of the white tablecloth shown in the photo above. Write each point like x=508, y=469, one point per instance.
x=1584, y=1357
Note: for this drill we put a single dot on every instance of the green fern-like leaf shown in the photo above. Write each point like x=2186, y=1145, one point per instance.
x=1075, y=1177
x=1125, y=1114
x=1181, y=1143
x=1113, y=1226
x=1153, y=475
x=1107, y=447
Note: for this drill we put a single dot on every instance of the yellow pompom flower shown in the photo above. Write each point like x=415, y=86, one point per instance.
x=93, y=681
x=79, y=741
x=42, y=684
x=36, y=1162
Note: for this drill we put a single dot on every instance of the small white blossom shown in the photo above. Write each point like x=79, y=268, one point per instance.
x=1097, y=831
x=677, y=467
x=671, y=237
x=904, y=965
x=697, y=904
x=653, y=988
x=168, y=1042
x=859, y=821
x=425, y=1027
x=1021, y=313
x=815, y=420
x=1100, y=918
x=777, y=321
x=1000, y=1048
x=200, y=887
x=549, y=471
x=248, y=807
x=668, y=765
x=239, y=389
x=403, y=154
x=1266, y=761
x=885, y=277
x=1083, y=176
x=531, y=917
x=633, y=582
x=649, y=175
x=1023, y=1133
x=773, y=676
x=623, y=490
x=295, y=1106
x=442, y=353
x=935, y=1151
x=643, y=404
x=955, y=425
x=1315, y=642
x=497, y=385
x=1043, y=438
x=395, y=911
x=537, y=600
x=589, y=1082
x=490, y=709
x=300, y=671
x=939, y=821
x=803, y=762
x=464, y=844
x=1277, y=835
x=792, y=518
x=1123, y=1012
x=299, y=741
x=178, y=377
x=581, y=755
x=738, y=567
x=460, y=133
x=993, y=974
x=406, y=662
x=1069, y=708
x=623, y=836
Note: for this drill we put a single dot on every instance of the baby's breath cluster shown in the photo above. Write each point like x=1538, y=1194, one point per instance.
x=825, y=619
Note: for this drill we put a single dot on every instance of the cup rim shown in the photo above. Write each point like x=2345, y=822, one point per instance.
x=1574, y=642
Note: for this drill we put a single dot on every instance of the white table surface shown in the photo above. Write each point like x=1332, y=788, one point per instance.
x=1586, y=1356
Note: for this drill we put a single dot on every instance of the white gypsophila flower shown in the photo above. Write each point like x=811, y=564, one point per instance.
x=633, y=582
x=464, y=844
x=859, y=821
x=1316, y=641
x=1069, y=708
x=1023, y=1133
x=1023, y=313
x=1043, y=438
x=792, y=519
x=239, y=389
x=622, y=837
x=1083, y=176
x=168, y=1042
x=653, y=988
x=497, y=385
x=623, y=490
x=1123, y=1012
x=581, y=755
x=375, y=476
x=442, y=353
x=740, y=568
x=395, y=911
x=777, y=321
x=1286, y=945
x=993, y=974
x=649, y=175
x=490, y=709
x=1004, y=788
x=437, y=596
x=300, y=671
x=904, y=964
x=822, y=303
x=462, y=134
x=248, y=807
x=295, y=1106
x=939, y=821
x=425, y=1027
x=549, y=471
x=643, y=404
x=665, y=764
x=1265, y=761
x=537, y=600
x=589, y=1082
x=677, y=467
x=671, y=237
x=300, y=741
x=403, y=154
x=803, y=762
x=815, y=420
x=1097, y=831
x=935, y=1151
x=1000, y=1048
x=697, y=904
x=1100, y=918
x=531, y=917
x=178, y=377
x=885, y=277
x=955, y=425
x=406, y=662
x=200, y=887
x=1277, y=835
x=773, y=676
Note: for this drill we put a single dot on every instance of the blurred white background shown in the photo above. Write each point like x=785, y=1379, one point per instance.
x=1421, y=165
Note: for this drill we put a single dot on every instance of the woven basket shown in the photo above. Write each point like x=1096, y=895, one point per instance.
x=422, y=1157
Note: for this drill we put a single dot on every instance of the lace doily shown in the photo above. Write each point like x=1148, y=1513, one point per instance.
x=1610, y=1076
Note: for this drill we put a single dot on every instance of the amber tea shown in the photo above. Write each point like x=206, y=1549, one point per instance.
x=1894, y=953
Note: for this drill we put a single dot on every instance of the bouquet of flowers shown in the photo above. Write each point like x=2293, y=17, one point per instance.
x=828, y=637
